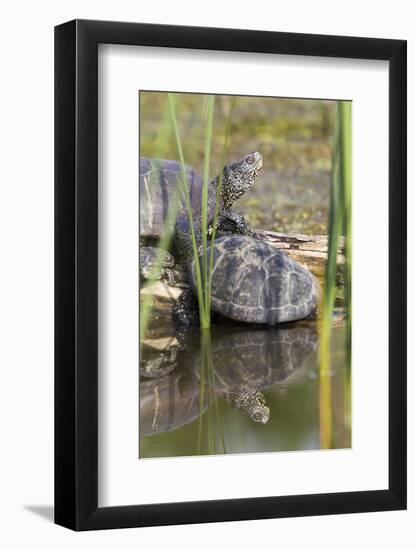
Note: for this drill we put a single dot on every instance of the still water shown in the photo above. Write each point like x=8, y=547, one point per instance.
x=240, y=389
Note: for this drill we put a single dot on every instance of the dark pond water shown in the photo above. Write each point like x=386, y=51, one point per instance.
x=241, y=390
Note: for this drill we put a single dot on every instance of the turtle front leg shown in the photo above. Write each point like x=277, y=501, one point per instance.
x=176, y=277
x=170, y=277
x=162, y=273
x=185, y=312
x=232, y=220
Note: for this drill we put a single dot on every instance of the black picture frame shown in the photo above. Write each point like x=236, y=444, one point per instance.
x=76, y=272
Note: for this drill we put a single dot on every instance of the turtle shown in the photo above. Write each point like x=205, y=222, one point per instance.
x=162, y=199
x=171, y=397
x=156, y=263
x=250, y=357
x=165, y=406
x=157, y=363
x=253, y=403
x=252, y=282
x=244, y=361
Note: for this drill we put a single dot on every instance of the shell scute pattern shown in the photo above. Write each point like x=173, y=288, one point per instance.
x=299, y=287
x=223, y=283
x=160, y=190
x=245, y=293
x=247, y=359
x=256, y=283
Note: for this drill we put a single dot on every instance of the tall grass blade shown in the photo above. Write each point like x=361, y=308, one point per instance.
x=336, y=222
x=163, y=245
x=346, y=162
x=205, y=323
x=225, y=151
x=186, y=194
x=218, y=417
x=165, y=136
x=202, y=384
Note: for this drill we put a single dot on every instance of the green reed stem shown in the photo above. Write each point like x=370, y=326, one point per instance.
x=186, y=194
x=346, y=162
x=166, y=236
x=220, y=424
x=205, y=323
x=211, y=372
x=208, y=358
x=163, y=245
x=201, y=404
x=336, y=220
x=207, y=390
x=219, y=192
x=205, y=367
x=346, y=140
x=210, y=368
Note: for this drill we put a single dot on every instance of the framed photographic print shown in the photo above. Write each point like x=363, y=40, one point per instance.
x=230, y=338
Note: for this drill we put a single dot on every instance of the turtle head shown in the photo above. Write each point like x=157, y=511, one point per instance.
x=260, y=414
x=253, y=403
x=239, y=176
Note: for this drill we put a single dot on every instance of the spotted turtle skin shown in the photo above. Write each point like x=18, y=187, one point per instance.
x=150, y=257
x=162, y=199
x=244, y=361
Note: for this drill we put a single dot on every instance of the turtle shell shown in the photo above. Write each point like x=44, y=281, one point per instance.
x=247, y=358
x=254, y=282
x=160, y=193
x=170, y=402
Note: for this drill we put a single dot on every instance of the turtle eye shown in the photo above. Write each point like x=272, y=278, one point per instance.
x=250, y=160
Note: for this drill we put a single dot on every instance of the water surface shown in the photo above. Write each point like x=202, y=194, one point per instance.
x=188, y=410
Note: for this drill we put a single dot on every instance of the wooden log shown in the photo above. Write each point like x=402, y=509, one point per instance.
x=309, y=250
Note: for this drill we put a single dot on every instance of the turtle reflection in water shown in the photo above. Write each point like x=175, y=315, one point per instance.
x=243, y=361
x=155, y=363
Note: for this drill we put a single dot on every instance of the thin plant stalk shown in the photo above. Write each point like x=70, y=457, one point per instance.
x=208, y=362
x=346, y=138
x=166, y=235
x=163, y=245
x=186, y=194
x=211, y=372
x=204, y=198
x=208, y=358
x=346, y=162
x=219, y=192
x=201, y=396
x=207, y=390
x=336, y=219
